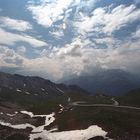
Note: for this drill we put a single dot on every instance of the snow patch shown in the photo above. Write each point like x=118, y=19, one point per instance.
x=69, y=100
x=27, y=113
x=60, y=90
x=42, y=89
x=11, y=115
x=48, y=120
x=18, y=90
x=27, y=93
x=61, y=109
x=86, y=134
x=18, y=126
x=40, y=132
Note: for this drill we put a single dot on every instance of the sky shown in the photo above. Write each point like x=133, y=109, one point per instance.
x=58, y=39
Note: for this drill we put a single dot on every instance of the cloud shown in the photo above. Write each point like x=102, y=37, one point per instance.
x=12, y=61
x=90, y=44
x=43, y=66
x=58, y=31
x=75, y=58
x=57, y=34
x=16, y=61
x=9, y=58
x=78, y=58
x=75, y=48
x=8, y=38
x=121, y=16
x=21, y=50
x=123, y=57
x=46, y=13
x=19, y=25
x=106, y=41
x=49, y=12
x=136, y=35
x=107, y=20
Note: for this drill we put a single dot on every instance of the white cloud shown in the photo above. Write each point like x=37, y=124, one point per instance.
x=136, y=34
x=76, y=58
x=81, y=55
x=121, y=16
x=58, y=30
x=75, y=48
x=124, y=57
x=43, y=66
x=57, y=34
x=107, y=21
x=8, y=38
x=19, y=25
x=49, y=68
x=49, y=12
x=21, y=50
x=9, y=58
x=110, y=42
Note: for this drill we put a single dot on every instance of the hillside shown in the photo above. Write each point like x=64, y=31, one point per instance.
x=36, y=93
x=131, y=98
x=35, y=85
x=25, y=101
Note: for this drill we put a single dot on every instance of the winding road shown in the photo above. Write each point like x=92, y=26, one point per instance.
x=116, y=104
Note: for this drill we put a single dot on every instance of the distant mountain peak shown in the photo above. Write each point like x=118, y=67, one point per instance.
x=109, y=82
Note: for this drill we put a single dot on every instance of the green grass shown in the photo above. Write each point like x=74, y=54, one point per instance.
x=118, y=122
x=37, y=104
x=131, y=99
x=115, y=121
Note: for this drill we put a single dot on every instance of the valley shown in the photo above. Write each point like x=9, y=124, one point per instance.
x=64, y=112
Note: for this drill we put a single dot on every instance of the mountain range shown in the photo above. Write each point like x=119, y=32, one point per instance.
x=109, y=82
x=35, y=85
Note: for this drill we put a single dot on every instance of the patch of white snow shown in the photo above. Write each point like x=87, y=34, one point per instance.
x=86, y=134
x=18, y=90
x=60, y=90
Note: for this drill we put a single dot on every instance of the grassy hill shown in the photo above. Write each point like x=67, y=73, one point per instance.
x=132, y=98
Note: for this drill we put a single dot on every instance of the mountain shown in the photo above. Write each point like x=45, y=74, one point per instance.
x=36, y=93
x=109, y=82
x=131, y=98
x=35, y=85
x=25, y=101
